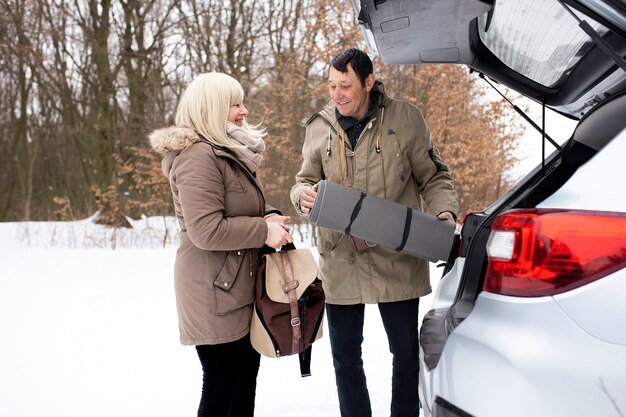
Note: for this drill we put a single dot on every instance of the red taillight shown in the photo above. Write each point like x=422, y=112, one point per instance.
x=548, y=251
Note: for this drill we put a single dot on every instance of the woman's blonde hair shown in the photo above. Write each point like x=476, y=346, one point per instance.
x=205, y=104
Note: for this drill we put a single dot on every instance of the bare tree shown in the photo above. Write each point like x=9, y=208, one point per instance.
x=221, y=36
x=298, y=45
x=21, y=26
x=142, y=33
x=83, y=82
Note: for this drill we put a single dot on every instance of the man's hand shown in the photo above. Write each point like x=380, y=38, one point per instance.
x=307, y=199
x=446, y=216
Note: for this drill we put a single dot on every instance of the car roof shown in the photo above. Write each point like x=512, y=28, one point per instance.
x=536, y=48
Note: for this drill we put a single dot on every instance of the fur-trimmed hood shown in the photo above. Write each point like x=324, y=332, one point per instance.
x=170, y=141
x=173, y=138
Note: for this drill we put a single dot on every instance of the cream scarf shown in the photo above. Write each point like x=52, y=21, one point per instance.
x=252, y=155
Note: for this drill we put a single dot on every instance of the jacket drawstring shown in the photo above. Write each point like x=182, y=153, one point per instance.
x=380, y=122
x=328, y=141
x=379, y=146
x=340, y=145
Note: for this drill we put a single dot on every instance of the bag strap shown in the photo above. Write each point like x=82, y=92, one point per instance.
x=287, y=247
x=290, y=288
x=305, y=361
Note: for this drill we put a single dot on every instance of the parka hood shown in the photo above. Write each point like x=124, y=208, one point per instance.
x=170, y=141
x=173, y=138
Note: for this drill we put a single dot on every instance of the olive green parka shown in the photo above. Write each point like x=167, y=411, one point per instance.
x=395, y=159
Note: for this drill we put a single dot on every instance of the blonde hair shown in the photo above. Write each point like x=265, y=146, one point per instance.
x=205, y=104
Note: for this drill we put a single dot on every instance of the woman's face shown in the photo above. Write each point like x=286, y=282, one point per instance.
x=237, y=114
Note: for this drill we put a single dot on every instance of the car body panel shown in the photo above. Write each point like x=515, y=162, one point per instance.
x=595, y=186
x=526, y=357
x=598, y=308
x=448, y=285
x=500, y=338
x=543, y=356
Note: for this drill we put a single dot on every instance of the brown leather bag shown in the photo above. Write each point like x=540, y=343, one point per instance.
x=289, y=306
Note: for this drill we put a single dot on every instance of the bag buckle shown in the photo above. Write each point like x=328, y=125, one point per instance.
x=295, y=321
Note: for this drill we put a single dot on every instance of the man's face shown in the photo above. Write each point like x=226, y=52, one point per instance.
x=350, y=96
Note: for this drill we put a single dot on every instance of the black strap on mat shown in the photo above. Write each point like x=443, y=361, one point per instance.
x=355, y=212
x=305, y=361
x=407, y=228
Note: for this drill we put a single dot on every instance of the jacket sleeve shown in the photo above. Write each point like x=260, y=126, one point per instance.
x=430, y=171
x=199, y=183
x=311, y=172
x=272, y=210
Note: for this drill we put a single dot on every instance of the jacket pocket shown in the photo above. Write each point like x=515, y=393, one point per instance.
x=399, y=167
x=328, y=239
x=233, y=287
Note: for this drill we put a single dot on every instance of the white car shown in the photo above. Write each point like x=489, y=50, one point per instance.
x=530, y=317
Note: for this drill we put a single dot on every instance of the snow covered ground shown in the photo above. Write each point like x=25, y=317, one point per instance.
x=87, y=330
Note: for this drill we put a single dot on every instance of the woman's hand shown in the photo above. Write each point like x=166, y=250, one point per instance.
x=278, y=218
x=278, y=231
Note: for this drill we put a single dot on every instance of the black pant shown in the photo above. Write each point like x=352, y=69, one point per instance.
x=229, y=379
x=345, y=325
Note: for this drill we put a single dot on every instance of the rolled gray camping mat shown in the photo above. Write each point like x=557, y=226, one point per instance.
x=381, y=221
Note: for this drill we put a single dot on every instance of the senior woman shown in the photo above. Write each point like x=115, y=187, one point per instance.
x=211, y=158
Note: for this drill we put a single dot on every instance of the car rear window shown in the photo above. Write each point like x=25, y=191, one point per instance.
x=538, y=39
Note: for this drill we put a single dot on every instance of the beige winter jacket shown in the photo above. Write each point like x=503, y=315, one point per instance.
x=413, y=174
x=220, y=207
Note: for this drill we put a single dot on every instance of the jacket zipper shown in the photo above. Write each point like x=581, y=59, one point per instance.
x=240, y=183
x=226, y=154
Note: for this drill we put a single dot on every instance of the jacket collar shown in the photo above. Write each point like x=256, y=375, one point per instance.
x=347, y=122
x=171, y=141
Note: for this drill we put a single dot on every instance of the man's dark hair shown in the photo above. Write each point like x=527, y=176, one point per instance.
x=360, y=62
